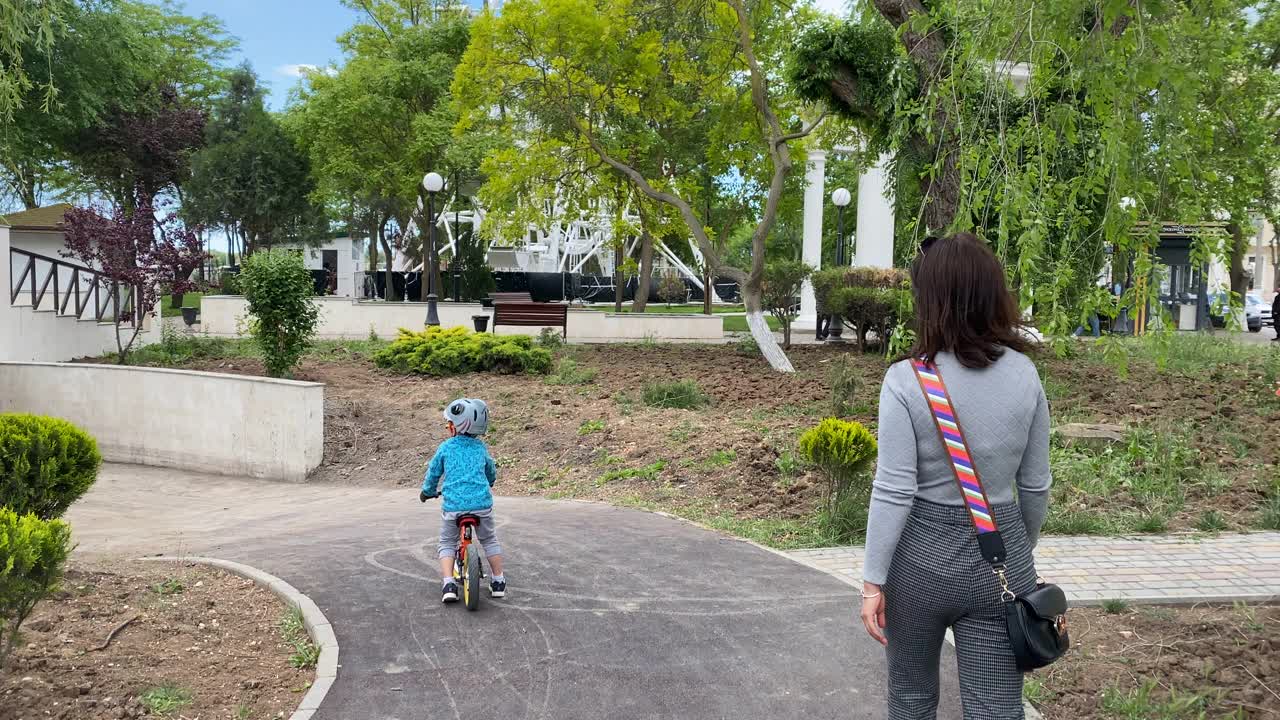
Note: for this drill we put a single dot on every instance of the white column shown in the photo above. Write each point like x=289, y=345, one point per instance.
x=814, y=196
x=875, y=217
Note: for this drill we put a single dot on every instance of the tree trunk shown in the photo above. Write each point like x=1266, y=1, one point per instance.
x=1239, y=246
x=786, y=333
x=617, y=278
x=768, y=344
x=706, y=290
x=646, y=273
x=390, y=291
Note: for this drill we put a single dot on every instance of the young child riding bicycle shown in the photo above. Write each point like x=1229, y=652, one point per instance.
x=469, y=473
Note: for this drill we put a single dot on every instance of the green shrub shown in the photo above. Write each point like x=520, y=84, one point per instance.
x=872, y=299
x=284, y=315
x=746, y=345
x=567, y=372
x=550, y=338
x=45, y=464
x=844, y=387
x=440, y=352
x=680, y=395
x=843, y=450
x=230, y=283
x=32, y=553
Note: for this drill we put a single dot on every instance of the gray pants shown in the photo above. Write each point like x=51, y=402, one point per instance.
x=939, y=580
x=451, y=536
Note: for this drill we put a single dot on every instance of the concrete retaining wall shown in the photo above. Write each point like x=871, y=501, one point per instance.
x=342, y=318
x=224, y=424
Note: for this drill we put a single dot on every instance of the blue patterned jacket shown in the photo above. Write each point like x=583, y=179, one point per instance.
x=468, y=473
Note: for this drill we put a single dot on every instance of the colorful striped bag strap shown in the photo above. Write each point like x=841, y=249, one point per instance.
x=965, y=470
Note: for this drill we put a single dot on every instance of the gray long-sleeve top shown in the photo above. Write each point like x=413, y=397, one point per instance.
x=1005, y=417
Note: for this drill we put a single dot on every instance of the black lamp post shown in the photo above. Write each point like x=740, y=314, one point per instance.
x=454, y=265
x=432, y=183
x=840, y=198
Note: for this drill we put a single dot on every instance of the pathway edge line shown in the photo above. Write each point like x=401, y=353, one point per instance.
x=318, y=626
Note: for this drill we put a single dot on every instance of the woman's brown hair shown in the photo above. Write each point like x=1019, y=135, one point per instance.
x=963, y=304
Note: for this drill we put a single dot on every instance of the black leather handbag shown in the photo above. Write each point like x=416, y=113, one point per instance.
x=1037, y=621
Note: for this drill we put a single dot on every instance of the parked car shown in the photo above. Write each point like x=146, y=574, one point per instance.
x=1254, y=305
x=1253, y=316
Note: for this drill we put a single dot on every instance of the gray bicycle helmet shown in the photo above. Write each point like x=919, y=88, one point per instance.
x=468, y=415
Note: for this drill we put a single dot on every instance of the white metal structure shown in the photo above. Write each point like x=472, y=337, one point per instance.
x=566, y=242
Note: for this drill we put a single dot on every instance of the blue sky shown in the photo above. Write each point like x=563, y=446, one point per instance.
x=276, y=36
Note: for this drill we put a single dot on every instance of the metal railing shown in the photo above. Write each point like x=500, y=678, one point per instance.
x=79, y=292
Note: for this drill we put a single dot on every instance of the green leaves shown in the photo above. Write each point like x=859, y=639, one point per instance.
x=442, y=352
x=279, y=290
x=32, y=554
x=46, y=464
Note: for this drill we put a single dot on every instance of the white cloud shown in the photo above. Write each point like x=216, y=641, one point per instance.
x=835, y=7
x=296, y=70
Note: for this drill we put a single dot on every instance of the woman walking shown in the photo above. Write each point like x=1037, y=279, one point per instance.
x=924, y=570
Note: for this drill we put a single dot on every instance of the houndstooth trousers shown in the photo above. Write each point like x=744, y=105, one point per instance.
x=939, y=580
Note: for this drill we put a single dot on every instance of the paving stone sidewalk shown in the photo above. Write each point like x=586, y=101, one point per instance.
x=1155, y=569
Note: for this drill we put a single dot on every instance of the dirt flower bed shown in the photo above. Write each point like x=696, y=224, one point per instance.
x=1165, y=663
x=585, y=432
x=201, y=644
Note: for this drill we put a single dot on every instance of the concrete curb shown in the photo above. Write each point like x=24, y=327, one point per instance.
x=318, y=625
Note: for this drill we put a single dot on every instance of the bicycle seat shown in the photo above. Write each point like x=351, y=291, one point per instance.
x=468, y=519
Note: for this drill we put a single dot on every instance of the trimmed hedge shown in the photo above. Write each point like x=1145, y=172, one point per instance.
x=440, y=352
x=45, y=464
x=32, y=554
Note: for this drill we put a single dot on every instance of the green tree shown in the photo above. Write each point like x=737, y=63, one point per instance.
x=105, y=63
x=27, y=28
x=1124, y=99
x=278, y=289
x=374, y=126
x=605, y=84
x=251, y=178
x=782, y=281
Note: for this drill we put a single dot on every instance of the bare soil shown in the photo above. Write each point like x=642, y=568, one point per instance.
x=208, y=633
x=1174, y=663
x=736, y=457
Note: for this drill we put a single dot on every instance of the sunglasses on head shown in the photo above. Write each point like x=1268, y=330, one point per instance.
x=927, y=243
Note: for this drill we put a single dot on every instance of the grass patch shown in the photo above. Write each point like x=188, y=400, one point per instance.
x=648, y=472
x=1136, y=486
x=1211, y=521
x=1149, y=702
x=679, y=395
x=1034, y=691
x=1115, y=606
x=191, y=299
x=567, y=372
x=171, y=586
x=718, y=459
x=591, y=427
x=1269, y=518
x=738, y=323
x=294, y=631
x=166, y=699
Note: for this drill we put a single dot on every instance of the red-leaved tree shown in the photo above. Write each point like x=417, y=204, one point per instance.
x=134, y=253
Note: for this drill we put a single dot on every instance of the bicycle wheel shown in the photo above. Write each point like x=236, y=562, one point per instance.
x=471, y=580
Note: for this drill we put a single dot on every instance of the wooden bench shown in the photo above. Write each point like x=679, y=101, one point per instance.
x=531, y=314
x=505, y=297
